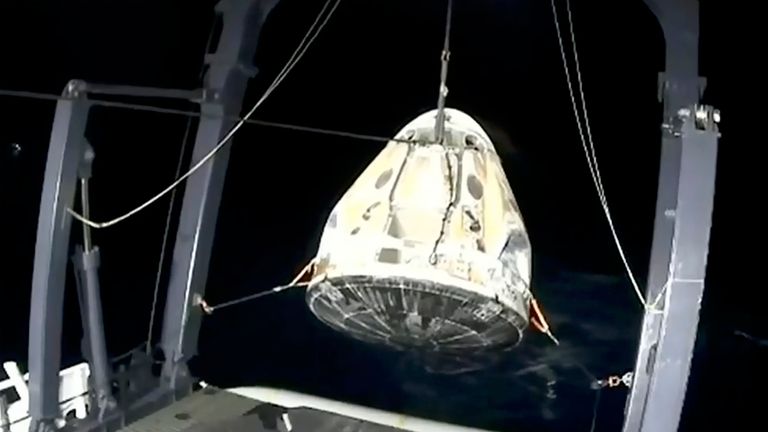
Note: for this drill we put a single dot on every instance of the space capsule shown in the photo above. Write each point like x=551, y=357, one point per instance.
x=427, y=250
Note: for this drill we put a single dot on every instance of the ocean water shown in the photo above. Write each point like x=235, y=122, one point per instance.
x=276, y=341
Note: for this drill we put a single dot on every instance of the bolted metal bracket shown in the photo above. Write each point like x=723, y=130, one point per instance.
x=75, y=89
x=85, y=168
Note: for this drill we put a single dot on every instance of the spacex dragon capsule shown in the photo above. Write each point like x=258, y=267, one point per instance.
x=427, y=250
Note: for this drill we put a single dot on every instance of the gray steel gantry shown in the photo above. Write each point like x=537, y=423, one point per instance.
x=684, y=204
x=678, y=258
x=229, y=69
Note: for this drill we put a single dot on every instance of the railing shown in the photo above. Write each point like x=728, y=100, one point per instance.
x=14, y=408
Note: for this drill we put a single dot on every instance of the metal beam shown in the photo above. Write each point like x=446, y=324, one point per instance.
x=51, y=250
x=137, y=91
x=227, y=78
x=668, y=338
x=681, y=229
x=679, y=84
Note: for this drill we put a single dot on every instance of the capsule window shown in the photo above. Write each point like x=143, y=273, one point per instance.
x=474, y=186
x=383, y=178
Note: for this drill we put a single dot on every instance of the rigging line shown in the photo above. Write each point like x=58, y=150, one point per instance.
x=754, y=339
x=255, y=122
x=24, y=94
x=225, y=140
x=598, y=177
x=303, y=44
x=592, y=378
x=584, y=112
x=294, y=283
x=297, y=54
x=167, y=230
x=587, y=372
x=595, y=407
x=440, y=132
x=588, y=146
x=443, y=92
x=541, y=325
x=126, y=354
x=210, y=309
x=289, y=65
x=540, y=322
x=573, y=97
x=448, y=208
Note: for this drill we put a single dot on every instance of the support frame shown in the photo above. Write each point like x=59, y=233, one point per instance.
x=222, y=95
x=682, y=225
x=228, y=74
x=51, y=253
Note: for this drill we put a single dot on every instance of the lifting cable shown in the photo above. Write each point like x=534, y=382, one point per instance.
x=445, y=57
x=440, y=133
x=195, y=114
x=585, y=135
x=298, y=282
x=309, y=37
x=613, y=381
x=595, y=406
x=172, y=201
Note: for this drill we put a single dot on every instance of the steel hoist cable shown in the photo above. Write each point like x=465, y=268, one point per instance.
x=195, y=114
x=169, y=215
x=309, y=37
x=588, y=145
x=297, y=282
x=440, y=132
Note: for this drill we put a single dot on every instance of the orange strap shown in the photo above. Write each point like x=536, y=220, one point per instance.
x=308, y=270
x=538, y=321
x=537, y=318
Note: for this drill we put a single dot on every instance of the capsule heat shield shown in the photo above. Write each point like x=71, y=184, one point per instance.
x=427, y=249
x=411, y=313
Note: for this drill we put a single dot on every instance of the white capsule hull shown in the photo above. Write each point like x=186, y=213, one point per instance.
x=427, y=249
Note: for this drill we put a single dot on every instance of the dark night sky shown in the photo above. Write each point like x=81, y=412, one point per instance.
x=373, y=69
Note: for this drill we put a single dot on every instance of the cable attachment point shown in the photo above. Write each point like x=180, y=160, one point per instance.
x=198, y=300
x=75, y=89
x=552, y=337
x=443, y=93
x=614, y=381
x=538, y=321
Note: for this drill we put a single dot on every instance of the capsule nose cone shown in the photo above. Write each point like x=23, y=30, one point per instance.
x=454, y=120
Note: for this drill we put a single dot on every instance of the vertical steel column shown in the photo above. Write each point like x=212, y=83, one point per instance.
x=51, y=249
x=681, y=230
x=225, y=82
